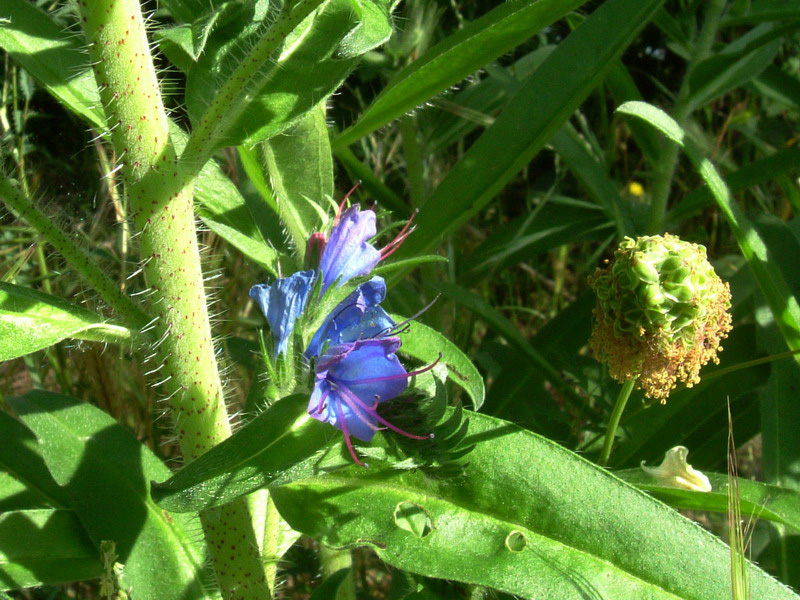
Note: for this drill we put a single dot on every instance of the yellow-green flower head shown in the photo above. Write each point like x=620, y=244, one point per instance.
x=661, y=313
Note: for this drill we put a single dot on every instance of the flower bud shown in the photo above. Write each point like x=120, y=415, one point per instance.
x=661, y=313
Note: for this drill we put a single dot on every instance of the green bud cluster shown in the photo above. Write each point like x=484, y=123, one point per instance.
x=661, y=312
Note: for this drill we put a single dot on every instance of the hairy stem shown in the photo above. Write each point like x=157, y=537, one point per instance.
x=79, y=260
x=665, y=169
x=160, y=193
x=232, y=99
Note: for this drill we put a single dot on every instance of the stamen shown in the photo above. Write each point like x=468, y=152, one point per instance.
x=389, y=249
x=321, y=405
x=349, y=397
x=407, y=323
x=347, y=441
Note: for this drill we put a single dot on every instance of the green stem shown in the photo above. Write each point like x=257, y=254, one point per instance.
x=160, y=195
x=613, y=422
x=665, y=169
x=232, y=100
x=334, y=560
x=130, y=312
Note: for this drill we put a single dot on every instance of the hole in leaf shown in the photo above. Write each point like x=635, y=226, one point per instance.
x=412, y=517
x=516, y=541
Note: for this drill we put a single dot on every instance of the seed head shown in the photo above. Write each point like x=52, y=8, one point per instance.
x=661, y=313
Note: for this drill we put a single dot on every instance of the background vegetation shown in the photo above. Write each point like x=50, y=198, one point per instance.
x=498, y=122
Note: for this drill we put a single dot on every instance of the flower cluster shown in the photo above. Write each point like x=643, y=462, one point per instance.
x=661, y=313
x=355, y=350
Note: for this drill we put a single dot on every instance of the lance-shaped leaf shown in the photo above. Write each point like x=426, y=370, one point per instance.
x=544, y=101
x=458, y=56
x=300, y=168
x=31, y=320
x=26, y=481
x=527, y=517
x=758, y=500
x=104, y=472
x=313, y=61
x=280, y=445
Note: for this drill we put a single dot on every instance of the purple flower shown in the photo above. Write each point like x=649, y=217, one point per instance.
x=348, y=253
x=357, y=317
x=351, y=380
x=282, y=302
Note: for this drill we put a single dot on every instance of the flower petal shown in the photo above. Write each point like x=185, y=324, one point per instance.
x=354, y=377
x=282, y=302
x=356, y=317
x=348, y=253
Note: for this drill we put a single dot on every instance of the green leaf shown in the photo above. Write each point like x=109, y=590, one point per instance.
x=280, y=445
x=757, y=11
x=779, y=406
x=505, y=328
x=777, y=84
x=282, y=91
x=526, y=517
x=759, y=500
x=779, y=296
x=52, y=55
x=372, y=184
x=330, y=587
x=44, y=547
x=458, y=56
x=733, y=66
x=594, y=177
x=557, y=221
x=427, y=344
x=177, y=45
x=188, y=11
x=555, y=89
x=300, y=167
x=766, y=169
x=28, y=483
x=408, y=263
x=224, y=210
x=105, y=472
x=31, y=320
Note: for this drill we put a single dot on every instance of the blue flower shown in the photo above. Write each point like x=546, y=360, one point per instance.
x=357, y=317
x=282, y=302
x=351, y=380
x=347, y=253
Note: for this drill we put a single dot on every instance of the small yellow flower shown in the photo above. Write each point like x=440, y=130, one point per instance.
x=636, y=189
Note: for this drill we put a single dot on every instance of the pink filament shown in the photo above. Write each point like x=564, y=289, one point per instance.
x=389, y=249
x=339, y=416
x=352, y=400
